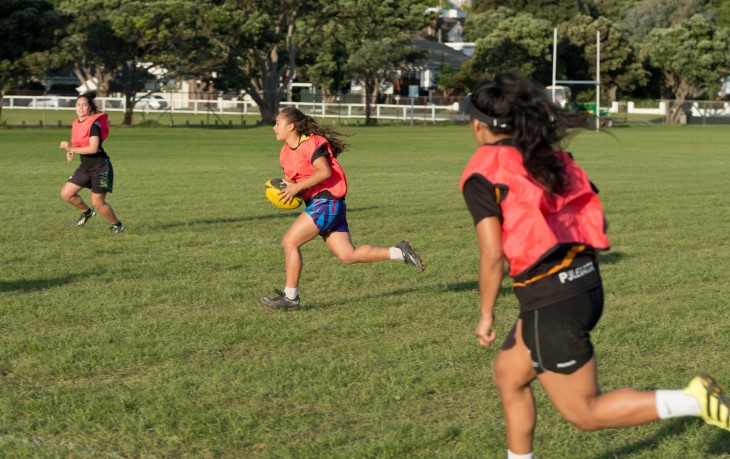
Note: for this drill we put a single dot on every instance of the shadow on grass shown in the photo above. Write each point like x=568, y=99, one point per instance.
x=251, y=218
x=611, y=257
x=671, y=429
x=35, y=285
x=720, y=445
x=455, y=287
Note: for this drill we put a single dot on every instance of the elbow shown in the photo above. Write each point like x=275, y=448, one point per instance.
x=493, y=258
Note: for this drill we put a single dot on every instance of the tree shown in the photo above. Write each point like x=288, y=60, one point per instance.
x=367, y=40
x=721, y=9
x=26, y=35
x=519, y=43
x=620, y=67
x=461, y=82
x=690, y=56
x=479, y=25
x=648, y=15
x=131, y=42
x=555, y=12
x=255, y=43
x=324, y=61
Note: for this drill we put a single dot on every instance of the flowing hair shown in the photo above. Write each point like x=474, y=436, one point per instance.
x=305, y=125
x=536, y=125
x=89, y=96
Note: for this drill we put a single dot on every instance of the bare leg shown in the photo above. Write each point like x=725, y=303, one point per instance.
x=299, y=233
x=100, y=204
x=341, y=245
x=70, y=194
x=513, y=374
x=579, y=400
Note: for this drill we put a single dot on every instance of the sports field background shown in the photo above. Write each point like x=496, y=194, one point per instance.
x=153, y=343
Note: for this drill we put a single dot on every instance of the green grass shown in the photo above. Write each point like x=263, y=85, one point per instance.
x=153, y=344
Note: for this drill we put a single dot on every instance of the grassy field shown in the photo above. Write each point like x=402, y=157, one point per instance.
x=153, y=343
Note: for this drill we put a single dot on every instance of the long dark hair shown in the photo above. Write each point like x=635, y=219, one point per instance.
x=305, y=124
x=537, y=126
x=89, y=96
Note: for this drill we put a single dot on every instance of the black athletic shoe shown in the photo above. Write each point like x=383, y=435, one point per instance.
x=410, y=256
x=117, y=228
x=85, y=216
x=280, y=301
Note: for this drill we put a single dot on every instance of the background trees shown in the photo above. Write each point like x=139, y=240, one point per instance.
x=668, y=48
x=27, y=31
x=518, y=41
x=130, y=43
x=621, y=68
x=257, y=44
x=375, y=39
x=692, y=56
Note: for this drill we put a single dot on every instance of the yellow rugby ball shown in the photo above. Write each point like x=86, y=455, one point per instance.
x=273, y=187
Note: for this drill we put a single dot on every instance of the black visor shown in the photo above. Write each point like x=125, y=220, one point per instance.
x=468, y=108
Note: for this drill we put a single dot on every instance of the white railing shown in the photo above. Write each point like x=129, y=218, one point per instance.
x=220, y=106
x=405, y=111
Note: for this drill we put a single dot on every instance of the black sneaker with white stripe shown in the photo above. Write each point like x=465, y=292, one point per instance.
x=117, y=228
x=85, y=216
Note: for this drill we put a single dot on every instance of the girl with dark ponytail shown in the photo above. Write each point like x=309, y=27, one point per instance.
x=534, y=206
x=95, y=170
x=309, y=159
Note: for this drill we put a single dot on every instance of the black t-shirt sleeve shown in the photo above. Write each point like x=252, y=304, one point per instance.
x=95, y=130
x=481, y=198
x=319, y=152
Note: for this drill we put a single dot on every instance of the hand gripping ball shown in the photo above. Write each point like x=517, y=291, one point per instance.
x=272, y=188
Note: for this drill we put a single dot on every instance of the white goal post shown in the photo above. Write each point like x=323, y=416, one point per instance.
x=596, y=82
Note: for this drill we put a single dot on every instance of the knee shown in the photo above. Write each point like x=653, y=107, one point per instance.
x=347, y=258
x=582, y=422
x=289, y=243
x=582, y=416
x=97, y=201
x=506, y=381
x=66, y=196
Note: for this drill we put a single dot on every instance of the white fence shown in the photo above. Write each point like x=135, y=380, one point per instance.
x=170, y=104
x=407, y=109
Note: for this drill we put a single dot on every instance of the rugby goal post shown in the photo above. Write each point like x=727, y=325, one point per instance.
x=596, y=82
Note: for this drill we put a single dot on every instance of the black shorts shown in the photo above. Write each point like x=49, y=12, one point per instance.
x=100, y=180
x=558, y=335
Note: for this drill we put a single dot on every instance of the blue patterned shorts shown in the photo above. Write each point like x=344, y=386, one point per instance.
x=330, y=215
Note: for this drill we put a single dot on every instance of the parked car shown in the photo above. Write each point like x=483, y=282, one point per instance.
x=47, y=102
x=152, y=101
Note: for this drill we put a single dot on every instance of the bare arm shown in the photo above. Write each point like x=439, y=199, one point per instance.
x=491, y=270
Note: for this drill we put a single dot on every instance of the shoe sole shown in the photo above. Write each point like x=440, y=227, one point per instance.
x=420, y=260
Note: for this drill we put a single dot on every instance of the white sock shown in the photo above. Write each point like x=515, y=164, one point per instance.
x=675, y=403
x=291, y=292
x=396, y=253
x=511, y=455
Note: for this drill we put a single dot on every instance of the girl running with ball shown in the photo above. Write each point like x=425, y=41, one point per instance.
x=309, y=159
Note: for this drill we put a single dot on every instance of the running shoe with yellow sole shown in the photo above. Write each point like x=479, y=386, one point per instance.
x=714, y=402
